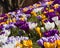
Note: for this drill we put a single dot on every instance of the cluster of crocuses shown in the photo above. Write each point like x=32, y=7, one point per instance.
x=51, y=29
x=41, y=17
x=16, y=19
x=16, y=42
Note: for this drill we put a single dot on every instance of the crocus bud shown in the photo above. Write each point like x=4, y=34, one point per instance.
x=38, y=31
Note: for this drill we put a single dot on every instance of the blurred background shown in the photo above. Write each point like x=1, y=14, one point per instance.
x=11, y=5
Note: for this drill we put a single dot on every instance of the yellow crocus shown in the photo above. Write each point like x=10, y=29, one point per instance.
x=25, y=9
x=27, y=43
x=43, y=16
x=14, y=20
x=7, y=22
x=33, y=13
x=8, y=15
x=44, y=12
x=56, y=6
x=22, y=18
x=47, y=45
x=49, y=3
x=58, y=43
x=51, y=10
x=31, y=6
x=53, y=45
x=44, y=20
x=38, y=31
x=37, y=5
x=19, y=45
x=11, y=20
x=47, y=9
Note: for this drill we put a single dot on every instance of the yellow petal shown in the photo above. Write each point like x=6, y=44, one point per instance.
x=31, y=6
x=22, y=19
x=7, y=22
x=38, y=31
x=47, y=45
x=27, y=42
x=10, y=20
x=56, y=5
x=53, y=45
x=58, y=42
x=38, y=5
x=25, y=9
x=51, y=10
x=14, y=20
x=49, y=3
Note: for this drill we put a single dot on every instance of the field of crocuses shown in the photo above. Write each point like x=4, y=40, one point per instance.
x=34, y=26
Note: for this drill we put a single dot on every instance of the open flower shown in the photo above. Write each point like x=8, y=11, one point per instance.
x=49, y=25
x=38, y=9
x=50, y=33
x=32, y=25
x=40, y=42
x=55, y=18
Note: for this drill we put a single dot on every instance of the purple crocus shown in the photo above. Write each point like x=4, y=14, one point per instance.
x=40, y=42
x=1, y=27
x=58, y=9
x=50, y=20
x=53, y=32
x=50, y=33
x=24, y=27
x=39, y=18
x=46, y=34
x=56, y=2
x=51, y=40
x=19, y=23
x=50, y=14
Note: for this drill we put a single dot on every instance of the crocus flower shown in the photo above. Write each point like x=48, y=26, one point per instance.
x=32, y=25
x=24, y=27
x=56, y=2
x=49, y=25
x=51, y=40
x=19, y=23
x=1, y=27
x=40, y=42
x=50, y=33
x=38, y=9
x=50, y=14
x=38, y=31
x=55, y=18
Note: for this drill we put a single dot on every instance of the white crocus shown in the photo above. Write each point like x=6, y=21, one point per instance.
x=58, y=24
x=32, y=25
x=7, y=32
x=38, y=9
x=3, y=38
x=49, y=25
x=55, y=18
